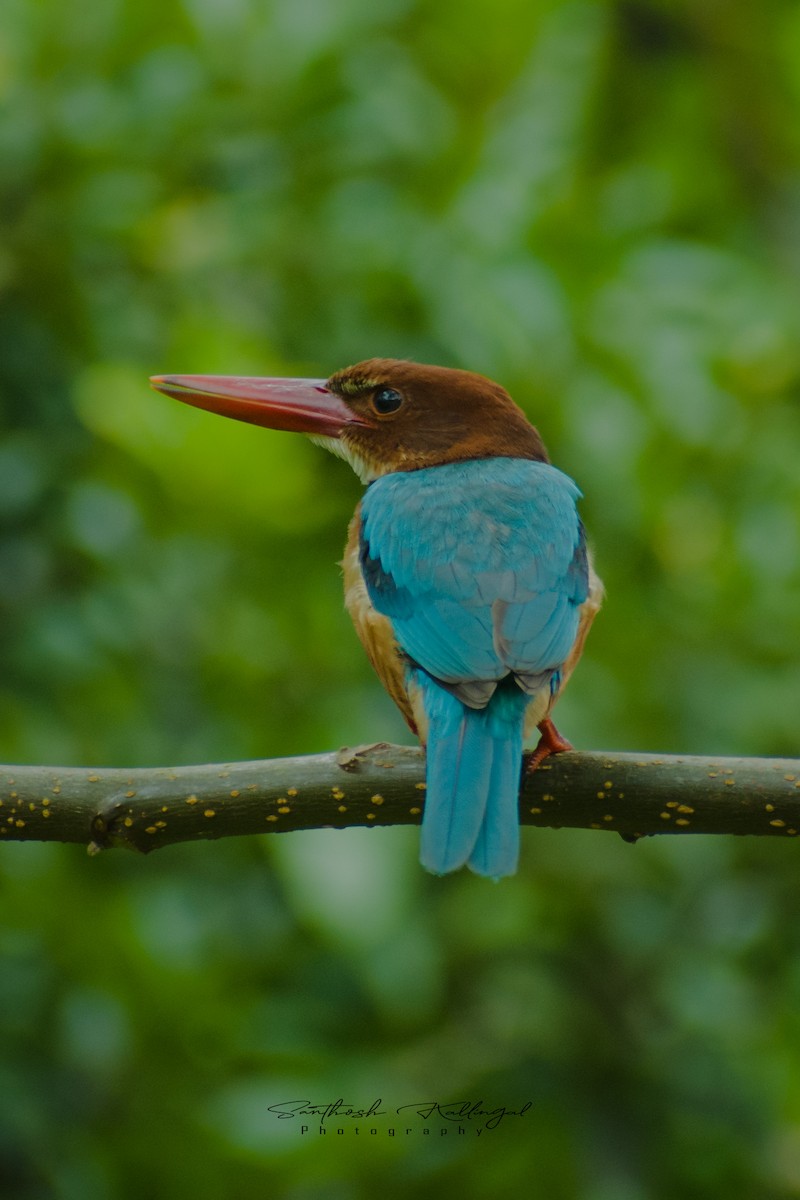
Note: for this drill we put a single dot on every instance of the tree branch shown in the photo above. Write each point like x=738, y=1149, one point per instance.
x=633, y=794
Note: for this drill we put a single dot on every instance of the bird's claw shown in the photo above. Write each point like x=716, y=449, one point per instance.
x=550, y=742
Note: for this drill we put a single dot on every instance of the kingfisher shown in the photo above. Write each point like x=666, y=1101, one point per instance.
x=466, y=574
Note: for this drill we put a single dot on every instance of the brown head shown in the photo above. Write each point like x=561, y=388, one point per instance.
x=381, y=415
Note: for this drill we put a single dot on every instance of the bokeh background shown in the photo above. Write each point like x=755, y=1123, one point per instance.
x=598, y=204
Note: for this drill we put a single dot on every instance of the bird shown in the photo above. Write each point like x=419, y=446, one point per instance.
x=467, y=574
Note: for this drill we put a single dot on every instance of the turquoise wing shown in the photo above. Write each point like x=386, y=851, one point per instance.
x=481, y=568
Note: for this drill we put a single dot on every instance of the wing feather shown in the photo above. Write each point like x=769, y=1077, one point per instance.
x=479, y=566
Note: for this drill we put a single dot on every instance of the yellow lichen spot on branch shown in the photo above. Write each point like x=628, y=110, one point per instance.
x=191, y=799
x=535, y=811
x=130, y=795
x=292, y=791
x=94, y=779
x=415, y=811
x=234, y=794
x=420, y=786
x=665, y=816
x=371, y=816
x=284, y=808
x=376, y=799
x=682, y=821
x=209, y=812
x=271, y=817
x=778, y=824
x=685, y=808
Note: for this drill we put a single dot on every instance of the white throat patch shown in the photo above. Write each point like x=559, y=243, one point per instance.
x=366, y=472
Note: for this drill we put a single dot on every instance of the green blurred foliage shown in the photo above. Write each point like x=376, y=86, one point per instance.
x=596, y=203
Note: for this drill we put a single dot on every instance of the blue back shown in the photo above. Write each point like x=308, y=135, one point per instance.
x=480, y=565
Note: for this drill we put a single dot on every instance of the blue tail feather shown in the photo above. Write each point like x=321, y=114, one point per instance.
x=473, y=772
x=496, y=851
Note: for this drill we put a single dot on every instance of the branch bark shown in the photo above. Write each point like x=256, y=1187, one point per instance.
x=635, y=795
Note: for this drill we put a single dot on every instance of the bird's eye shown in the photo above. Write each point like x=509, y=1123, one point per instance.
x=386, y=400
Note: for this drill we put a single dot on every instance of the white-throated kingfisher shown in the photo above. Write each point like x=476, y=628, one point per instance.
x=466, y=574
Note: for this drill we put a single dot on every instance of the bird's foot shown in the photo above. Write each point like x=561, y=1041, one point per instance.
x=550, y=742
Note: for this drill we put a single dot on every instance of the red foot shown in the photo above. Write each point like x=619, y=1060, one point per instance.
x=551, y=742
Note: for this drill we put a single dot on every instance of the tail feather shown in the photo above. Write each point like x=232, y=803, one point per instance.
x=473, y=772
x=458, y=775
x=496, y=850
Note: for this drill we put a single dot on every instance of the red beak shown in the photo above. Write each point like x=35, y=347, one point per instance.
x=297, y=405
